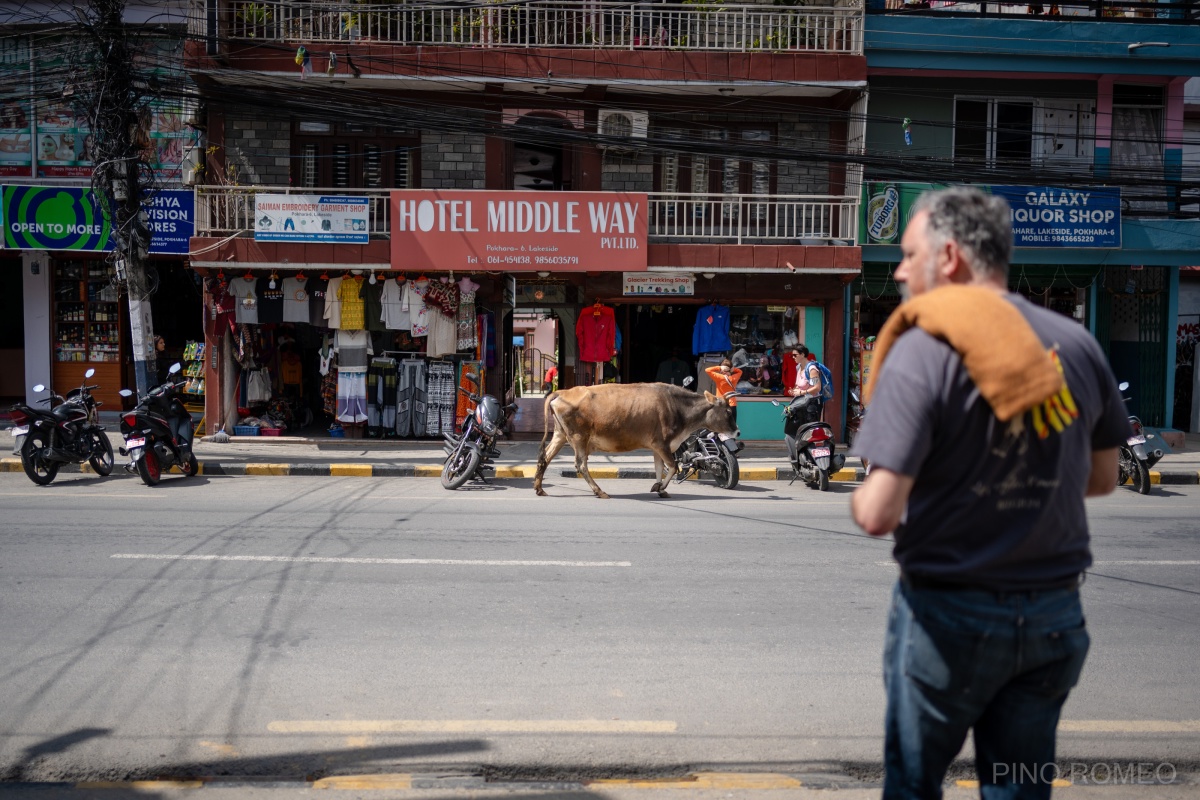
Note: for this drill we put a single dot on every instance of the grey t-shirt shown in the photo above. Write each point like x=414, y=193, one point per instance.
x=996, y=506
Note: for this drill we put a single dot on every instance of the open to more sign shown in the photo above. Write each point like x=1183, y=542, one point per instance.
x=516, y=231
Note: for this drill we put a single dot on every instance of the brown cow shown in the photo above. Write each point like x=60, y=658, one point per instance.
x=619, y=417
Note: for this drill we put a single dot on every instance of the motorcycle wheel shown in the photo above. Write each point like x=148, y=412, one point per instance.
x=190, y=466
x=822, y=481
x=39, y=471
x=1130, y=468
x=148, y=467
x=459, y=468
x=728, y=473
x=102, y=464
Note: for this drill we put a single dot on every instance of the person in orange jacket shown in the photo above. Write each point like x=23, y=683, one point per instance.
x=726, y=379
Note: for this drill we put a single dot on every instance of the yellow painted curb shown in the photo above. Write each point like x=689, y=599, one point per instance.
x=139, y=785
x=394, y=780
x=758, y=474
x=427, y=472
x=267, y=469
x=601, y=473
x=709, y=780
x=10, y=465
x=515, y=472
x=1057, y=783
x=351, y=470
x=844, y=475
x=1155, y=476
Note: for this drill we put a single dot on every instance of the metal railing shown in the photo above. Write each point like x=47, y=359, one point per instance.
x=223, y=211
x=728, y=27
x=1147, y=11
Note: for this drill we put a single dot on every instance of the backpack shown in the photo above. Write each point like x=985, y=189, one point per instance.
x=826, y=380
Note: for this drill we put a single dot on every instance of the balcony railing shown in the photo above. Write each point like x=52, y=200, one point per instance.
x=730, y=27
x=223, y=211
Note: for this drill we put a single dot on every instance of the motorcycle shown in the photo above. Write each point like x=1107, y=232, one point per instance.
x=810, y=446
x=469, y=454
x=705, y=451
x=158, y=432
x=67, y=433
x=1137, y=455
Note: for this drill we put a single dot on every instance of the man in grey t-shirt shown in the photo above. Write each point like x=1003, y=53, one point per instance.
x=986, y=630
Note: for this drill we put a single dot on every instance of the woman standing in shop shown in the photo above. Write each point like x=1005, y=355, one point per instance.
x=726, y=379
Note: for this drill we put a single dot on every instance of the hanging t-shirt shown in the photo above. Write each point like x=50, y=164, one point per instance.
x=270, y=301
x=246, y=310
x=414, y=303
x=316, y=288
x=596, y=330
x=295, y=300
x=395, y=315
x=333, y=305
x=372, y=297
x=350, y=295
x=711, y=333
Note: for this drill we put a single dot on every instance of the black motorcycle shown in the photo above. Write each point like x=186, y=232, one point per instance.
x=66, y=433
x=158, y=432
x=810, y=445
x=469, y=454
x=705, y=451
x=1137, y=455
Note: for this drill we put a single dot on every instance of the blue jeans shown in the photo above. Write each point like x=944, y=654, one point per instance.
x=1001, y=664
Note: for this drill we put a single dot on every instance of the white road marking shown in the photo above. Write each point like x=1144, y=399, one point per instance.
x=1129, y=726
x=367, y=726
x=1117, y=563
x=450, y=562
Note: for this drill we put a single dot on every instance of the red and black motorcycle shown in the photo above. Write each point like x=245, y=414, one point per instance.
x=158, y=432
x=68, y=432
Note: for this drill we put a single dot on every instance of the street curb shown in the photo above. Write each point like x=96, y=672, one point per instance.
x=352, y=470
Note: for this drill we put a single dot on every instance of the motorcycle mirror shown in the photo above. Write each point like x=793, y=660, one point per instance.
x=125, y=393
x=175, y=368
x=472, y=376
x=1123, y=385
x=688, y=381
x=39, y=387
x=89, y=374
x=775, y=402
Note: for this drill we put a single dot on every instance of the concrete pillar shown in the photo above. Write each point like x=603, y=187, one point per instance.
x=35, y=287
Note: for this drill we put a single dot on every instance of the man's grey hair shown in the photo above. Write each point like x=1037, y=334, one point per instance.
x=980, y=223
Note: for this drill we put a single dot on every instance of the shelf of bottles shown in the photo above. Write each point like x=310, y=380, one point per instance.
x=193, y=370
x=87, y=313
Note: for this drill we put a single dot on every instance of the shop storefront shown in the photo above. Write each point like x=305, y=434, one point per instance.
x=76, y=316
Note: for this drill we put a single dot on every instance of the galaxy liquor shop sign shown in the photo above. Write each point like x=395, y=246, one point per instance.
x=70, y=218
x=1042, y=216
x=519, y=231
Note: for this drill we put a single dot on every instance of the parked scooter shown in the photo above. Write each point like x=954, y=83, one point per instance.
x=705, y=451
x=1137, y=455
x=810, y=446
x=67, y=433
x=469, y=454
x=158, y=432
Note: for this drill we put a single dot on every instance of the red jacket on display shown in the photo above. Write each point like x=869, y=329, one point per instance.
x=596, y=331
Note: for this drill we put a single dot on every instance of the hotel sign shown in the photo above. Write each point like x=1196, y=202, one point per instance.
x=519, y=231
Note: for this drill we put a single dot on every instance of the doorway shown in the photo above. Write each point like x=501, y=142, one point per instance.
x=534, y=360
x=12, y=337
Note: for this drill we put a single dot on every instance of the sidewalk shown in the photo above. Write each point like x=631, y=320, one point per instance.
x=268, y=455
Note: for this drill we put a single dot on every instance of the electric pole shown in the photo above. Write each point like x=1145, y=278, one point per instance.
x=118, y=115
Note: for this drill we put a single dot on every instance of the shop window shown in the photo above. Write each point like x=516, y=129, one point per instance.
x=994, y=132
x=353, y=157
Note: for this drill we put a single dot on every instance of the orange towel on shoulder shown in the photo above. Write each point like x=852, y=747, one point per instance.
x=1004, y=357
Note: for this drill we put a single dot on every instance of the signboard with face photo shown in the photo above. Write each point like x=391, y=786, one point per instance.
x=16, y=114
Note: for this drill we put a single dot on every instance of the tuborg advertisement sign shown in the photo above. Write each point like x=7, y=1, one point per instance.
x=519, y=231
x=69, y=218
x=1042, y=216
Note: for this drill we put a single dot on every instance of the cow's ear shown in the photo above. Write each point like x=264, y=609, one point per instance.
x=709, y=396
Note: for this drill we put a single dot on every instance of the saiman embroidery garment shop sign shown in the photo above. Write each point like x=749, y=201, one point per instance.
x=311, y=218
x=69, y=218
x=519, y=231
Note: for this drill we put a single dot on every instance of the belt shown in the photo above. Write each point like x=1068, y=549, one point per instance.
x=922, y=582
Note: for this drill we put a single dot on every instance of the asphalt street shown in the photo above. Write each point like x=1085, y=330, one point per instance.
x=306, y=627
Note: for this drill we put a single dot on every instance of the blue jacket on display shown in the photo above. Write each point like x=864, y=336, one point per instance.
x=711, y=333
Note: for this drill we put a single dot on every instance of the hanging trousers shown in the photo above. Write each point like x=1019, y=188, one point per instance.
x=411, y=398
x=443, y=396
x=382, y=381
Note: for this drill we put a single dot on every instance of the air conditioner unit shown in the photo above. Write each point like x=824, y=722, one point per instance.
x=623, y=125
